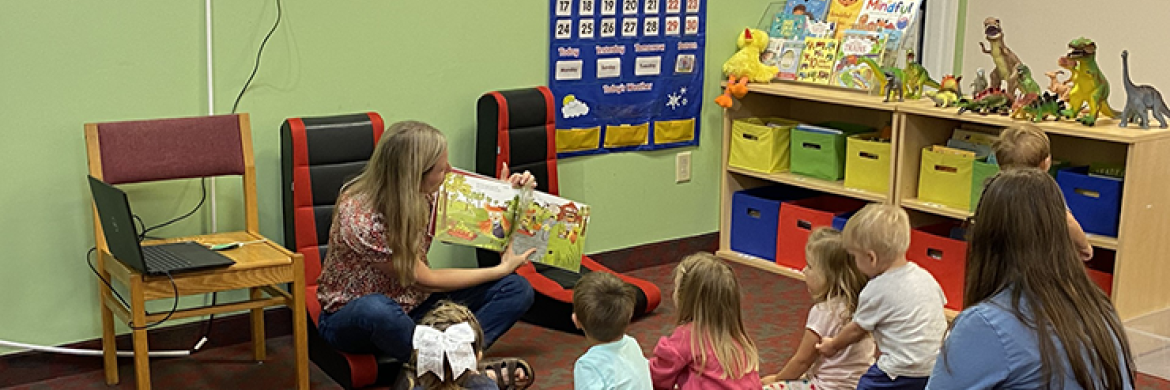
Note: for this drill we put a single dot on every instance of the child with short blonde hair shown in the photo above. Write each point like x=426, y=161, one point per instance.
x=1027, y=146
x=710, y=349
x=602, y=307
x=902, y=305
x=835, y=283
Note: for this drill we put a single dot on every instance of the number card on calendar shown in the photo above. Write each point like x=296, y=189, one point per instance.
x=626, y=75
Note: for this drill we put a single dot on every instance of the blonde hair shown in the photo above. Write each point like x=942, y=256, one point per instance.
x=1020, y=242
x=825, y=252
x=709, y=299
x=392, y=183
x=881, y=228
x=1021, y=146
x=604, y=305
x=444, y=315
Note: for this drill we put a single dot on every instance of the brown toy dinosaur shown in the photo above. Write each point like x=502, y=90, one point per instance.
x=1060, y=88
x=1005, y=60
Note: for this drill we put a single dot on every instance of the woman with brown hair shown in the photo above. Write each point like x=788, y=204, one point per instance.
x=1033, y=319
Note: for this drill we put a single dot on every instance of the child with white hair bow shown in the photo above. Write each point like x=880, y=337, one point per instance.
x=448, y=344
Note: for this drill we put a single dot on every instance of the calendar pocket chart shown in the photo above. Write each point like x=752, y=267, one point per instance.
x=626, y=75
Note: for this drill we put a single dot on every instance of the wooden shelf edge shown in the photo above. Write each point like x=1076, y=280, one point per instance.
x=1105, y=130
x=1103, y=242
x=759, y=263
x=935, y=208
x=833, y=187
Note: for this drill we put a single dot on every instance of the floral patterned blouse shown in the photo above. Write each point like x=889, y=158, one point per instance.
x=357, y=240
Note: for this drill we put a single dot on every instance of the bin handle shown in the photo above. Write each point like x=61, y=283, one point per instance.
x=750, y=137
x=806, y=225
x=869, y=155
x=936, y=254
x=810, y=145
x=944, y=168
x=754, y=213
x=1088, y=193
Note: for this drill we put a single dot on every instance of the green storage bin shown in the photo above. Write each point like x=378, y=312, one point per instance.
x=821, y=155
x=867, y=163
x=945, y=179
x=980, y=172
x=759, y=147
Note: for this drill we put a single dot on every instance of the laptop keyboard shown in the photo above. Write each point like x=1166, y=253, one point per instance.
x=161, y=260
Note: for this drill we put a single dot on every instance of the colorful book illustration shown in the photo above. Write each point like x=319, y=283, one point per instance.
x=789, y=59
x=851, y=73
x=891, y=17
x=487, y=213
x=788, y=26
x=817, y=60
x=819, y=29
x=844, y=13
x=816, y=10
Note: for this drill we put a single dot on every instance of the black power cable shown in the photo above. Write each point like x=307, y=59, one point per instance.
x=258, y=54
x=174, y=306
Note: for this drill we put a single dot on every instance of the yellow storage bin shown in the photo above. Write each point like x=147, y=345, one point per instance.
x=867, y=163
x=626, y=135
x=576, y=140
x=945, y=178
x=669, y=132
x=759, y=147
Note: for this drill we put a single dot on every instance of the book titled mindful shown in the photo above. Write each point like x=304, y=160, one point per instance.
x=487, y=213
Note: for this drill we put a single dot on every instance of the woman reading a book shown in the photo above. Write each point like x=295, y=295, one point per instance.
x=376, y=281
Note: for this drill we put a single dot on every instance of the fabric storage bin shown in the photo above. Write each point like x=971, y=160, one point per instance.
x=945, y=179
x=799, y=217
x=867, y=163
x=840, y=220
x=754, y=218
x=933, y=249
x=818, y=153
x=980, y=172
x=1100, y=269
x=1095, y=201
x=759, y=147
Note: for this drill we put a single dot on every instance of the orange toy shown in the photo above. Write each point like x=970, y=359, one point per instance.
x=745, y=66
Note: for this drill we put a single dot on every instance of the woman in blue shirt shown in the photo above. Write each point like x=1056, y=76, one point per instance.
x=1033, y=319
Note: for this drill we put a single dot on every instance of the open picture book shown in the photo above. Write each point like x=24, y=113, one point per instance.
x=488, y=213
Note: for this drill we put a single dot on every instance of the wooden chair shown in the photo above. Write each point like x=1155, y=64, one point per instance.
x=181, y=148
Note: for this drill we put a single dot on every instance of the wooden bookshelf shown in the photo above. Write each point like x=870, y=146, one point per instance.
x=1140, y=269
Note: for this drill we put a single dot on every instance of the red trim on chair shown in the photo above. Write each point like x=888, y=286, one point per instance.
x=550, y=125
x=653, y=294
x=378, y=125
x=502, y=140
x=363, y=369
x=299, y=143
x=543, y=284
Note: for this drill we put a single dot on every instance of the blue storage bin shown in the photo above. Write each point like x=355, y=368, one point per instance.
x=1095, y=201
x=755, y=217
x=840, y=220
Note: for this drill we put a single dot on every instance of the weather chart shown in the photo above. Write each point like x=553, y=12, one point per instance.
x=626, y=74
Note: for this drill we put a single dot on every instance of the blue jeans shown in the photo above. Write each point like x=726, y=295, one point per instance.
x=875, y=378
x=376, y=324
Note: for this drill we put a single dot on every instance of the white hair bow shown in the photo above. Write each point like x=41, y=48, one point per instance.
x=453, y=343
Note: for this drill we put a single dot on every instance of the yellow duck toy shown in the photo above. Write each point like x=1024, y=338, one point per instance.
x=745, y=66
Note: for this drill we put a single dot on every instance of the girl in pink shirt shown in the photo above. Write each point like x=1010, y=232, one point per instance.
x=710, y=349
x=835, y=283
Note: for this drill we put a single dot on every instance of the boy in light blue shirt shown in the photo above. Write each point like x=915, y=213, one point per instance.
x=602, y=308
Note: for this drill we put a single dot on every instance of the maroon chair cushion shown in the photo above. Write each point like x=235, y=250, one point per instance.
x=161, y=149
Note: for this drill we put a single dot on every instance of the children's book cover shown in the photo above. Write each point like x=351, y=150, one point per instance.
x=816, y=10
x=891, y=17
x=789, y=59
x=487, y=213
x=788, y=26
x=817, y=60
x=851, y=73
x=844, y=14
x=771, y=55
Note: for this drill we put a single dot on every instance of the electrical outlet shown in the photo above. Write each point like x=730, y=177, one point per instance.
x=682, y=167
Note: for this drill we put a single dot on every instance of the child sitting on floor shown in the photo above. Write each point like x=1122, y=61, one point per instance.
x=602, y=308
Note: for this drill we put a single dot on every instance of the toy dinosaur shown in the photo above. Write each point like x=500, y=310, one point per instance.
x=948, y=92
x=1089, y=85
x=1140, y=100
x=1028, y=92
x=916, y=77
x=893, y=85
x=1048, y=104
x=980, y=82
x=745, y=66
x=1005, y=60
x=1060, y=88
x=989, y=101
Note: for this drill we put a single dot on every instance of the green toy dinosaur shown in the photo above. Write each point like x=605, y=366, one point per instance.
x=948, y=93
x=1043, y=107
x=1089, y=85
x=916, y=77
x=1029, y=91
x=990, y=101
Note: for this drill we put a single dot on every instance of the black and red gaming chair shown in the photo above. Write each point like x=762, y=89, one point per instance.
x=518, y=127
x=318, y=155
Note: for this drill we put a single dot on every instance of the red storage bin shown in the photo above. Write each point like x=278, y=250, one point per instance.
x=945, y=258
x=799, y=217
x=1100, y=269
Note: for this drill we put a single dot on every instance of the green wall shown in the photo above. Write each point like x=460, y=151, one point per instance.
x=68, y=63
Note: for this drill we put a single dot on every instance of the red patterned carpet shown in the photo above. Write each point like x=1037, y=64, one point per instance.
x=775, y=309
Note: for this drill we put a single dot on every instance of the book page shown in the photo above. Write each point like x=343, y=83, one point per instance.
x=476, y=211
x=556, y=227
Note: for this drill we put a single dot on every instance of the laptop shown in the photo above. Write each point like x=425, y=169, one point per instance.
x=113, y=210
